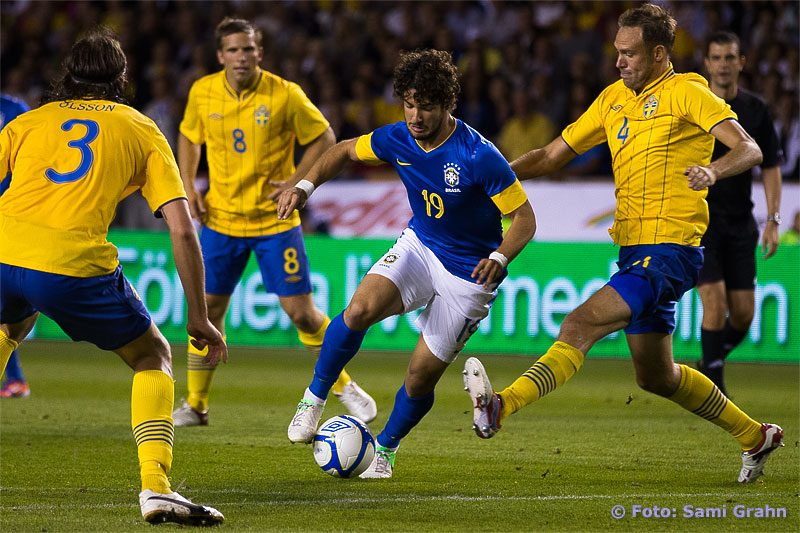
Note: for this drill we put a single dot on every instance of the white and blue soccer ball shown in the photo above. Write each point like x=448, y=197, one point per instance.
x=344, y=446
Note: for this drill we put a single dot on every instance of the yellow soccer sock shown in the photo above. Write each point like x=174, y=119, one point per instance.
x=7, y=347
x=343, y=379
x=198, y=377
x=552, y=370
x=313, y=341
x=698, y=394
x=152, y=400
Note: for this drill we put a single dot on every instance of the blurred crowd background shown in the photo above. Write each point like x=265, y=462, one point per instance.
x=528, y=68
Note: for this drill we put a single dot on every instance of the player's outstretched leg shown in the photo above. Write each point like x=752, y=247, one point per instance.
x=486, y=404
x=355, y=399
x=341, y=344
x=696, y=393
x=406, y=413
x=151, y=403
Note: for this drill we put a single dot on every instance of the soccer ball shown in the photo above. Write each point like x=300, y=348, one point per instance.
x=344, y=446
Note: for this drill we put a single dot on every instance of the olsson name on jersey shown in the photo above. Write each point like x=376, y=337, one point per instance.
x=87, y=106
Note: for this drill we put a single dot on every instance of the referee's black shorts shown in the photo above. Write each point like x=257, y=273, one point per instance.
x=730, y=252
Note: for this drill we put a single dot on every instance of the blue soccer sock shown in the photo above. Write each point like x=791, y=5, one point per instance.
x=13, y=368
x=406, y=414
x=340, y=345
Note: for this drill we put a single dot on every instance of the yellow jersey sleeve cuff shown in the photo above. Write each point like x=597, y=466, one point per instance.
x=510, y=198
x=194, y=136
x=364, y=150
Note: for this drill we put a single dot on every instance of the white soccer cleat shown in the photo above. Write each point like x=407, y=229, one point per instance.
x=753, y=460
x=382, y=464
x=486, y=404
x=186, y=415
x=358, y=402
x=159, y=508
x=306, y=419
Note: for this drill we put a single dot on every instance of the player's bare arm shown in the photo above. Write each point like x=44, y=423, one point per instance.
x=189, y=263
x=523, y=226
x=329, y=165
x=314, y=151
x=543, y=161
x=188, y=161
x=771, y=177
x=744, y=153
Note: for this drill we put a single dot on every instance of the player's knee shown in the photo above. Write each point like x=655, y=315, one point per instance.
x=303, y=319
x=656, y=384
x=419, y=383
x=216, y=312
x=578, y=331
x=741, y=319
x=149, y=352
x=360, y=315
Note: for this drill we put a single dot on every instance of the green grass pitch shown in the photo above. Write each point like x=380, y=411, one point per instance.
x=68, y=461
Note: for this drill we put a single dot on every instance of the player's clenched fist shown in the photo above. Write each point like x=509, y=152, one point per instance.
x=700, y=177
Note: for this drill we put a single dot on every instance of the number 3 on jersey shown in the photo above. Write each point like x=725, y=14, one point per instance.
x=82, y=144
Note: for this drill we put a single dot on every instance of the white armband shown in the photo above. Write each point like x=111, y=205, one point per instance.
x=305, y=186
x=500, y=258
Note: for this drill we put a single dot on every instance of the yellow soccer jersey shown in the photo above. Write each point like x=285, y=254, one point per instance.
x=249, y=142
x=653, y=137
x=72, y=162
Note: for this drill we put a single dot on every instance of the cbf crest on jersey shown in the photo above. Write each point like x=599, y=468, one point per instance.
x=262, y=115
x=451, y=177
x=650, y=106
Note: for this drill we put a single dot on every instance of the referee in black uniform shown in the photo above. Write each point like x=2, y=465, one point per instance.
x=727, y=279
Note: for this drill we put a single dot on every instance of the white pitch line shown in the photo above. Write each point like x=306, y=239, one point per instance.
x=398, y=499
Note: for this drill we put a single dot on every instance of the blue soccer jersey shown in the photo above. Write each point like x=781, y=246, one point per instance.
x=457, y=191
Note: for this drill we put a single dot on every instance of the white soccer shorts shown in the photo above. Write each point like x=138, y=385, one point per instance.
x=455, y=306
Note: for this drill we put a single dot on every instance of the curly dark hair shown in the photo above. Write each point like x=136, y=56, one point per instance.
x=658, y=26
x=94, y=69
x=431, y=74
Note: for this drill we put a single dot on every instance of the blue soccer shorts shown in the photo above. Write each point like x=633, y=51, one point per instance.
x=281, y=258
x=104, y=310
x=651, y=279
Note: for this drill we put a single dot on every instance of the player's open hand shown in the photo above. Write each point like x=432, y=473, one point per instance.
x=289, y=200
x=487, y=272
x=204, y=334
x=700, y=177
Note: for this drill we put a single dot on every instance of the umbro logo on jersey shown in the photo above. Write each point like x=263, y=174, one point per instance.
x=616, y=107
x=403, y=164
x=215, y=116
x=451, y=177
